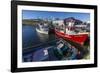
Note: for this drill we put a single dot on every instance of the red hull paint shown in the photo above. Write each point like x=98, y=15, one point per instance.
x=80, y=38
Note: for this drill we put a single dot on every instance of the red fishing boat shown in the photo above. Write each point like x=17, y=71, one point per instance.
x=68, y=32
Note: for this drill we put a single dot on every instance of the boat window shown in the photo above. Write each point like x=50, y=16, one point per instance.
x=60, y=45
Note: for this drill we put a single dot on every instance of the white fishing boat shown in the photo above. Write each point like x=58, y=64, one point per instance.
x=42, y=28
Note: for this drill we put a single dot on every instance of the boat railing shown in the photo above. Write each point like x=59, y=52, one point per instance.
x=36, y=47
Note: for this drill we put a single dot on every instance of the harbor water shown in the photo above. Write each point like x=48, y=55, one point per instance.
x=31, y=37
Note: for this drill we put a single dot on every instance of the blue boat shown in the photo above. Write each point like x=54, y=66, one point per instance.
x=61, y=51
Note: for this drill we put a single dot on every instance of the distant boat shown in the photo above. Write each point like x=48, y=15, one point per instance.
x=42, y=28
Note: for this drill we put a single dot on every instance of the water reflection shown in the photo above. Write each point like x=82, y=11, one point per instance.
x=31, y=37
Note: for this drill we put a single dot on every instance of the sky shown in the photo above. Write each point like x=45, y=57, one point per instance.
x=31, y=14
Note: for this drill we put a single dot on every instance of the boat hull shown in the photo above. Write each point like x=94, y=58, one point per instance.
x=78, y=38
x=40, y=31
